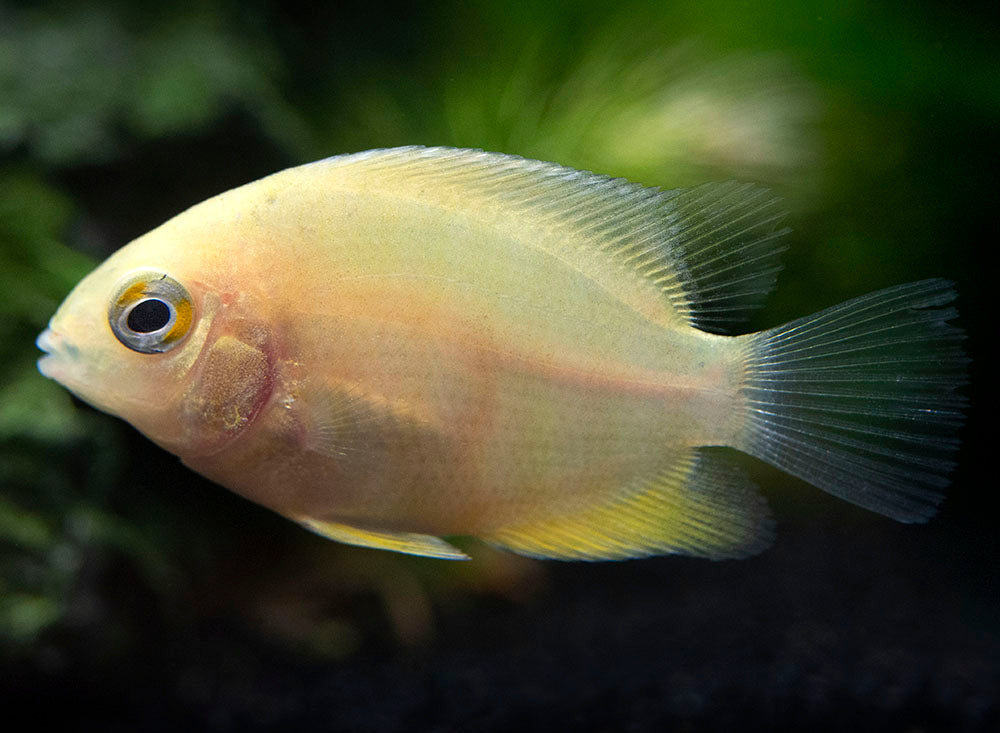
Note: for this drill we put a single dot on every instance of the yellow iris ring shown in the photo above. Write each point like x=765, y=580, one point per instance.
x=132, y=293
x=182, y=324
x=140, y=286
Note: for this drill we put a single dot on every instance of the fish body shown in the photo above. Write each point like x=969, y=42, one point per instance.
x=405, y=344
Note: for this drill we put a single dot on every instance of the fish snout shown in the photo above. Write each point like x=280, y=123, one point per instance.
x=57, y=348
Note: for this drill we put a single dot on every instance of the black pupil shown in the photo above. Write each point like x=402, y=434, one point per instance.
x=148, y=316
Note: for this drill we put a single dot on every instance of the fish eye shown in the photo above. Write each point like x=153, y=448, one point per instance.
x=150, y=312
x=149, y=315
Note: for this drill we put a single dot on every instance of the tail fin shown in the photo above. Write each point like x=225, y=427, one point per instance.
x=860, y=400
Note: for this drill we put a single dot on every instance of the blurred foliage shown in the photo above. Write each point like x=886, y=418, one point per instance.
x=81, y=80
x=114, y=114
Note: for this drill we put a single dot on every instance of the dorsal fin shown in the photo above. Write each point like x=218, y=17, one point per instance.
x=710, y=253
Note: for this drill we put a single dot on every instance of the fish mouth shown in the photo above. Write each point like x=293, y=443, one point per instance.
x=57, y=349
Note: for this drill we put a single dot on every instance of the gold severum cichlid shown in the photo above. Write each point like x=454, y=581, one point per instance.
x=405, y=344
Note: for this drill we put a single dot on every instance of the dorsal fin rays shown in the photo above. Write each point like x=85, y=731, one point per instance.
x=709, y=252
x=729, y=251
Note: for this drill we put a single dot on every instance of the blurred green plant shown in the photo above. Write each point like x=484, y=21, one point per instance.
x=80, y=82
x=666, y=113
x=37, y=564
x=56, y=462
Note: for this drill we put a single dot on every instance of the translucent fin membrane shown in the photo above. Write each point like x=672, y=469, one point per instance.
x=711, y=250
x=860, y=400
x=725, y=241
x=410, y=543
x=699, y=505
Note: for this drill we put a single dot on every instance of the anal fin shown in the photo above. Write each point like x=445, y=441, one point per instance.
x=698, y=505
x=410, y=543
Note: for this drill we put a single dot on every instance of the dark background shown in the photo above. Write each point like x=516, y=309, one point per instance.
x=135, y=595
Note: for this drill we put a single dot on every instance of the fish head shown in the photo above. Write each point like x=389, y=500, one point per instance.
x=156, y=337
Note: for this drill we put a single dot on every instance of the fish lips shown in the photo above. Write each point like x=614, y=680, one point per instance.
x=58, y=351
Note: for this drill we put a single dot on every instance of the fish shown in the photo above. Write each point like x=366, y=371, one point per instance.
x=405, y=345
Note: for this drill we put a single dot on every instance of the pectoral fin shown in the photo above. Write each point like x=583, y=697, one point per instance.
x=350, y=424
x=410, y=543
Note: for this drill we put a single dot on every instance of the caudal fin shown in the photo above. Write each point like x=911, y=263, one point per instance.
x=860, y=400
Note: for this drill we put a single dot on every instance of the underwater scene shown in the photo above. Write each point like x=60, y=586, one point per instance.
x=635, y=380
